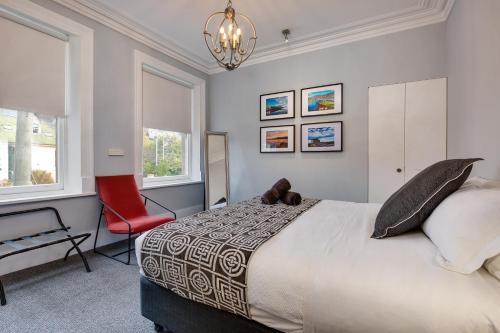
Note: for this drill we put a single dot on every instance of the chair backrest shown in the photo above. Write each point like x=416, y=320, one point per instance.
x=121, y=194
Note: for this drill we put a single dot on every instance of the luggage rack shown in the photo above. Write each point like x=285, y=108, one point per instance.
x=40, y=240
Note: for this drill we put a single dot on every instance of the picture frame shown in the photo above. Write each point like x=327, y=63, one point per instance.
x=275, y=106
x=321, y=137
x=277, y=139
x=322, y=100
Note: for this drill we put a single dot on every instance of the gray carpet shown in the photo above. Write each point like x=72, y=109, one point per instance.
x=63, y=297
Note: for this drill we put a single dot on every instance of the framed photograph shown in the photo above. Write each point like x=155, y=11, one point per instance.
x=279, y=105
x=277, y=139
x=322, y=101
x=321, y=137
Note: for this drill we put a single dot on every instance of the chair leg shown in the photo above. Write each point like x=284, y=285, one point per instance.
x=98, y=226
x=112, y=256
x=130, y=249
x=129, y=246
x=3, y=300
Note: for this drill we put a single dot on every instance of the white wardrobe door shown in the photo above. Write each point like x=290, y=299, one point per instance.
x=386, y=141
x=425, y=125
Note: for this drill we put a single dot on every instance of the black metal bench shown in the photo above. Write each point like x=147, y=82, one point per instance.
x=40, y=240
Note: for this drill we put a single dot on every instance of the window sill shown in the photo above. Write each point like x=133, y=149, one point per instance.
x=153, y=185
x=44, y=197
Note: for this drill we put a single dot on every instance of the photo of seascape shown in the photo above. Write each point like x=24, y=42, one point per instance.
x=321, y=137
x=277, y=106
x=321, y=100
x=277, y=139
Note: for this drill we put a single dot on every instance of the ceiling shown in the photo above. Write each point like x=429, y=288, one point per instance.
x=180, y=23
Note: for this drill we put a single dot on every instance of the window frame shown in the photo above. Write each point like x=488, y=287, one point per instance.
x=75, y=130
x=156, y=66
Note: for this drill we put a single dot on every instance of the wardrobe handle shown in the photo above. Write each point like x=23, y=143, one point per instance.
x=399, y=170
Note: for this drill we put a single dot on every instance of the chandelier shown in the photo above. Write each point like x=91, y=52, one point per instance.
x=227, y=42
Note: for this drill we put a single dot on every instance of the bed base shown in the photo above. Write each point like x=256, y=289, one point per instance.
x=174, y=314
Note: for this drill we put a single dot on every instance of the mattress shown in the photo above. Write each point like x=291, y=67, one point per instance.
x=324, y=273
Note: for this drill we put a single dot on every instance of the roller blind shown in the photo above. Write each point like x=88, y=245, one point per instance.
x=32, y=70
x=166, y=105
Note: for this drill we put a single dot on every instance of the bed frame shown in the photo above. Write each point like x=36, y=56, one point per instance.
x=172, y=313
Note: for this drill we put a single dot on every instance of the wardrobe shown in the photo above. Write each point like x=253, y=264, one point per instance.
x=407, y=133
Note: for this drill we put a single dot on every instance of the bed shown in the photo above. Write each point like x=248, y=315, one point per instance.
x=323, y=273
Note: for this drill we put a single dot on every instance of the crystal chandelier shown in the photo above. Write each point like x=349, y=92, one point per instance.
x=227, y=42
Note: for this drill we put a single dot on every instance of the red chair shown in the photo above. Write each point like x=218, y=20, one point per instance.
x=125, y=211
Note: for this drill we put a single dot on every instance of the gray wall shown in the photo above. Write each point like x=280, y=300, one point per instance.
x=113, y=127
x=473, y=59
x=234, y=107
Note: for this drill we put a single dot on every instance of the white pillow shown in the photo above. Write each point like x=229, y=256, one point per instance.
x=465, y=227
x=493, y=266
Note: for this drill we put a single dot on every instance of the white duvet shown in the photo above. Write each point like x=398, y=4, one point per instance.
x=323, y=273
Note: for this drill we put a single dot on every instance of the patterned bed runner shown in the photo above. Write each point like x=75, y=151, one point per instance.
x=204, y=257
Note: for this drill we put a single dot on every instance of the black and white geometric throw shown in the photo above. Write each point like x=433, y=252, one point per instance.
x=204, y=257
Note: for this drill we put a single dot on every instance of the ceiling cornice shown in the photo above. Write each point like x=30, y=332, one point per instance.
x=425, y=13
x=134, y=30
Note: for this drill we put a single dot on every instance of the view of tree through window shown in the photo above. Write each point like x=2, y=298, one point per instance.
x=28, y=149
x=163, y=153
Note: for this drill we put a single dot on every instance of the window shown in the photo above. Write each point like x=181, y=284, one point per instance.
x=166, y=117
x=46, y=147
x=169, y=109
x=165, y=153
x=32, y=98
x=28, y=150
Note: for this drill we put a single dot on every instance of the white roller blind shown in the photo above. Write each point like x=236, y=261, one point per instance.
x=166, y=105
x=32, y=70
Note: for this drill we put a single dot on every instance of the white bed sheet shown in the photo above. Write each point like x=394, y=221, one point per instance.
x=323, y=273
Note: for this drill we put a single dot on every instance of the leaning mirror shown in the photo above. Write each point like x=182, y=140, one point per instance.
x=216, y=170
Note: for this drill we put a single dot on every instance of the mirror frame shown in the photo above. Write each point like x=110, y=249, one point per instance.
x=207, y=180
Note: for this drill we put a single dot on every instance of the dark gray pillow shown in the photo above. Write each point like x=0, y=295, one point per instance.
x=411, y=205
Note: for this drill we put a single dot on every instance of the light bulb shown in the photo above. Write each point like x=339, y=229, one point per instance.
x=221, y=30
x=234, y=41
x=238, y=31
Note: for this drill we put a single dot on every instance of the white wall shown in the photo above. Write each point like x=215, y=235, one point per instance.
x=473, y=66
x=113, y=128
x=412, y=55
